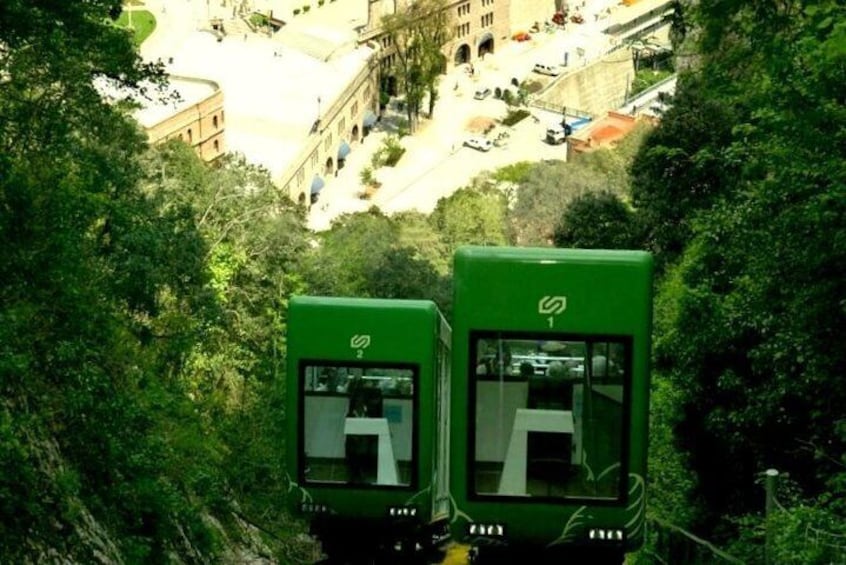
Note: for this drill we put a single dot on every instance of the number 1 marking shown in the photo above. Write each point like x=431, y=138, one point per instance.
x=551, y=320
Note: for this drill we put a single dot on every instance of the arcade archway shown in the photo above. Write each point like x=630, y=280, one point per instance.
x=486, y=44
x=462, y=54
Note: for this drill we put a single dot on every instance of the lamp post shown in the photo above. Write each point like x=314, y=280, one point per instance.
x=770, y=476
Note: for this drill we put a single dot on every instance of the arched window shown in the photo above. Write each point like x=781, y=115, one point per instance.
x=190, y=136
x=214, y=122
x=216, y=146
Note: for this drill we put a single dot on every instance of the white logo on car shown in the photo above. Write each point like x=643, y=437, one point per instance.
x=552, y=305
x=360, y=341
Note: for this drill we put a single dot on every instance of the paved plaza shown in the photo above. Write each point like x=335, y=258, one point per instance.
x=271, y=96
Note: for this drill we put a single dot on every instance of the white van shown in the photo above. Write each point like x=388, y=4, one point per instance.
x=546, y=69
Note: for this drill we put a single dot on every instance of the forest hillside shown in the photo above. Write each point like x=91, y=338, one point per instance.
x=144, y=294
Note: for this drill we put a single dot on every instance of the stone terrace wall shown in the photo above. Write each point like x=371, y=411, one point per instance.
x=594, y=88
x=201, y=125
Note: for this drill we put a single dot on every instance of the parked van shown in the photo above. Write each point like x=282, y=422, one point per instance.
x=546, y=69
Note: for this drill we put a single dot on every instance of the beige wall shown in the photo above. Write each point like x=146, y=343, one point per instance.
x=201, y=125
x=524, y=13
x=594, y=88
x=342, y=121
x=472, y=21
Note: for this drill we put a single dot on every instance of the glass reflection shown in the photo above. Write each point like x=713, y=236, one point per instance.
x=358, y=424
x=549, y=417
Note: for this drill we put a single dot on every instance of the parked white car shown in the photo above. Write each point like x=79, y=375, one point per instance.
x=482, y=93
x=479, y=143
x=546, y=69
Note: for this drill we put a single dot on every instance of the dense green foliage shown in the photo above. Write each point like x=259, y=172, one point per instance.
x=416, y=36
x=547, y=190
x=647, y=78
x=143, y=305
x=140, y=320
x=596, y=220
x=741, y=193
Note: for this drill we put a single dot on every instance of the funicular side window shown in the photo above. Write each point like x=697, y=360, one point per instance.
x=358, y=424
x=549, y=416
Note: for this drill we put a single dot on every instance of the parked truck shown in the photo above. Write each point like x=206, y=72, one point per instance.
x=557, y=133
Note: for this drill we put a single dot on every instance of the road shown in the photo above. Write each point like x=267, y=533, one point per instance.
x=435, y=163
x=446, y=171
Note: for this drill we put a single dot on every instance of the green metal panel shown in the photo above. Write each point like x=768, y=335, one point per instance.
x=326, y=330
x=555, y=292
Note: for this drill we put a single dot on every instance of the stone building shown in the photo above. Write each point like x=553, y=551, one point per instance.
x=338, y=129
x=347, y=76
x=195, y=116
x=479, y=26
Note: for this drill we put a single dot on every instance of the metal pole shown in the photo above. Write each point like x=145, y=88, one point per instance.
x=769, y=487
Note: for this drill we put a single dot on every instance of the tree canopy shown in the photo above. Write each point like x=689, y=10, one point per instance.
x=143, y=305
x=417, y=33
x=740, y=193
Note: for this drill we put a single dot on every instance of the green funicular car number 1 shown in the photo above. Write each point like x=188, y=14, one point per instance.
x=550, y=400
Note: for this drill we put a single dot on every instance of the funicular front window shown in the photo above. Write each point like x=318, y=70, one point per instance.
x=549, y=416
x=358, y=424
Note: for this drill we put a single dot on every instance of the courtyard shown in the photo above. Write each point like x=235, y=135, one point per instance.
x=273, y=94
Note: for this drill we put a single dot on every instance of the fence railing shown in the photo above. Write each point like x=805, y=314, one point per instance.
x=674, y=544
x=559, y=109
x=782, y=530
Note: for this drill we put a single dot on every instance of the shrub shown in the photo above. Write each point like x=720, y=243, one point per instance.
x=306, y=8
x=402, y=127
x=393, y=150
x=366, y=176
x=507, y=97
x=296, y=11
x=378, y=158
x=258, y=20
x=533, y=86
x=320, y=2
x=645, y=78
x=515, y=116
x=388, y=154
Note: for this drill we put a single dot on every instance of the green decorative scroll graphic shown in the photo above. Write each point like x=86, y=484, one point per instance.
x=417, y=494
x=457, y=512
x=634, y=513
x=293, y=486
